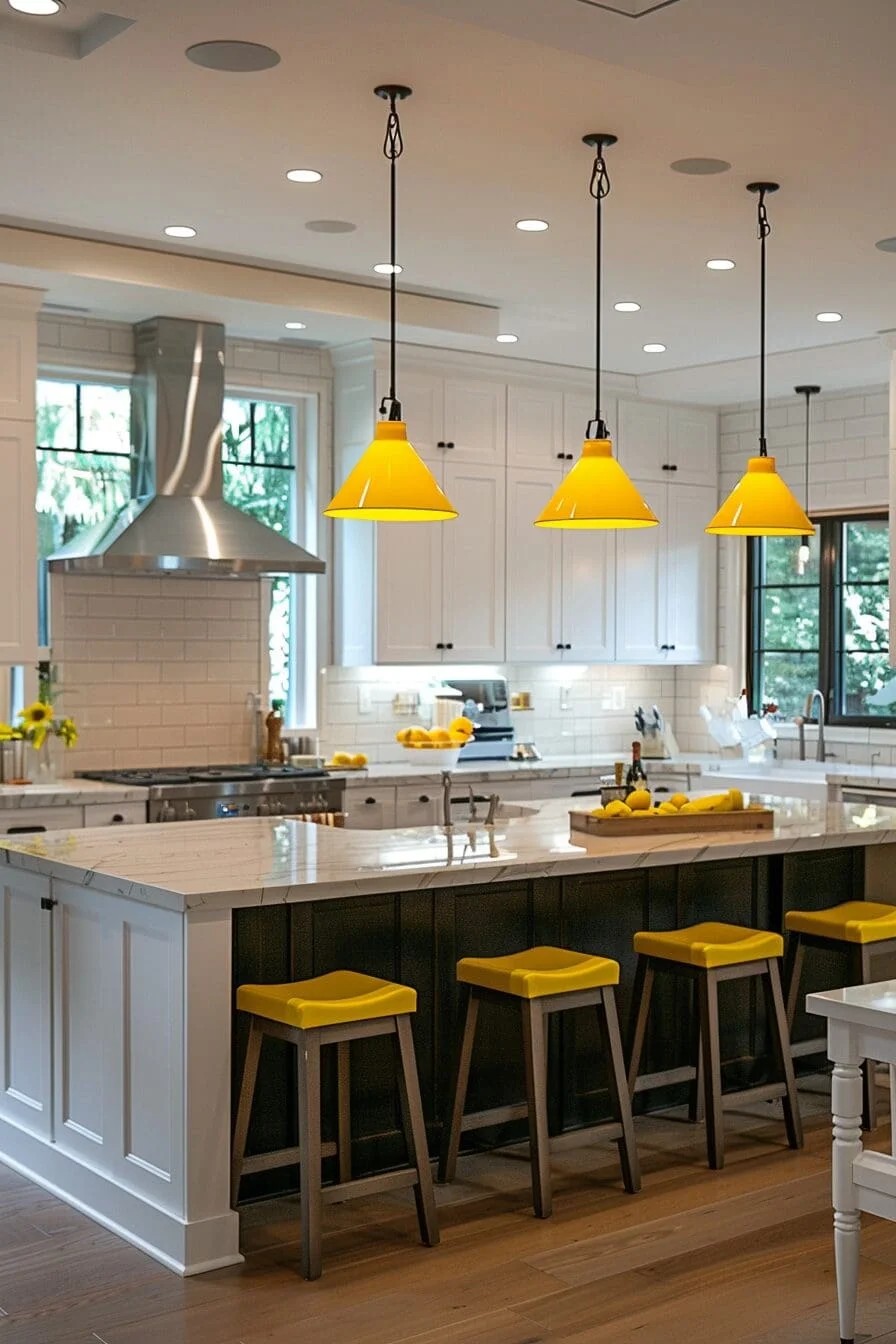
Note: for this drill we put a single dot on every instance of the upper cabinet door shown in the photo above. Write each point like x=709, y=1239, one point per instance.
x=534, y=574
x=18, y=543
x=643, y=440
x=589, y=596
x=409, y=592
x=641, y=591
x=422, y=405
x=693, y=445
x=535, y=427
x=691, y=566
x=474, y=560
x=474, y=426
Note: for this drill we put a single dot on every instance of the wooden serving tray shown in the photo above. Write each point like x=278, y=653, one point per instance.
x=750, y=819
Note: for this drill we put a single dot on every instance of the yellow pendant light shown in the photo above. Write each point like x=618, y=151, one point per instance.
x=391, y=483
x=597, y=493
x=761, y=504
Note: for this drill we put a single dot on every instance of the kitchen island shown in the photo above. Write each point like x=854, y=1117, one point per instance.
x=121, y=947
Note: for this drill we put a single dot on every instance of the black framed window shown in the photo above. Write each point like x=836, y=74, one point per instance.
x=822, y=620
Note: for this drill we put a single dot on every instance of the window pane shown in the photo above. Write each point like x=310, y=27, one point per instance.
x=866, y=551
x=237, y=439
x=265, y=492
x=789, y=618
x=74, y=491
x=785, y=679
x=105, y=419
x=866, y=618
x=780, y=560
x=863, y=675
x=273, y=434
x=56, y=414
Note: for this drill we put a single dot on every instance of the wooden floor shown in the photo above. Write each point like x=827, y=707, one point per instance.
x=738, y=1255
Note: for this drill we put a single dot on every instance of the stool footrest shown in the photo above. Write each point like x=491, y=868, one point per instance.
x=498, y=1115
x=280, y=1157
x=764, y=1092
x=665, y=1078
x=817, y=1046
x=369, y=1185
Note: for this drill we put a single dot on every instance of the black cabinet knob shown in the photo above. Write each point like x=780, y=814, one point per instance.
x=673, y=467
x=117, y=819
x=672, y=647
x=424, y=798
x=449, y=646
x=449, y=445
x=570, y=456
x=441, y=444
x=440, y=646
x=567, y=646
x=664, y=647
x=666, y=467
x=559, y=646
x=561, y=457
x=369, y=802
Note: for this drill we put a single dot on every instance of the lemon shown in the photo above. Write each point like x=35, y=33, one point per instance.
x=403, y=735
x=359, y=760
x=417, y=735
x=440, y=735
x=617, y=809
x=679, y=799
x=638, y=800
x=596, y=812
x=342, y=758
x=667, y=809
x=737, y=800
x=462, y=725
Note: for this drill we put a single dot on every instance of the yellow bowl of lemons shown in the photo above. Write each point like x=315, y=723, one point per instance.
x=436, y=748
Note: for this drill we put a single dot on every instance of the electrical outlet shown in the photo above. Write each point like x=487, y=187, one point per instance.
x=365, y=704
x=565, y=693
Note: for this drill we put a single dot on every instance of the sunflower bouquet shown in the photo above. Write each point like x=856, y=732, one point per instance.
x=38, y=721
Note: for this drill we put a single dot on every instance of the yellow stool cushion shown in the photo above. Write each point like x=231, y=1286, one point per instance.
x=711, y=945
x=341, y=996
x=851, y=922
x=539, y=971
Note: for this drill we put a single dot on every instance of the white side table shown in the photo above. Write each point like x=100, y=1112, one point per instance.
x=861, y=1025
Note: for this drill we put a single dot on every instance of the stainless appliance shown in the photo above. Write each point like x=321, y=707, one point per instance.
x=227, y=791
x=177, y=520
x=487, y=704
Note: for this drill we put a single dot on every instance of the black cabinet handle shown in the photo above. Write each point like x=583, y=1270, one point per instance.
x=672, y=647
x=117, y=819
x=669, y=466
x=449, y=646
x=559, y=646
x=674, y=467
x=561, y=457
x=570, y=456
x=449, y=445
x=440, y=646
x=46, y=903
x=369, y=802
x=567, y=646
x=24, y=830
x=424, y=798
x=664, y=647
x=441, y=444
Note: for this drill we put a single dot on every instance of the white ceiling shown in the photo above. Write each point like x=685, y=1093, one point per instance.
x=134, y=137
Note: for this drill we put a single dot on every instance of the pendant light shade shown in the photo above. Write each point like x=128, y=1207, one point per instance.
x=391, y=483
x=762, y=503
x=597, y=493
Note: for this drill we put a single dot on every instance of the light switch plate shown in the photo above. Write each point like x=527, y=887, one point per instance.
x=365, y=704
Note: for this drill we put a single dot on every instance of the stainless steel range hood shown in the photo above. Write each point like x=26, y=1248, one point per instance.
x=177, y=521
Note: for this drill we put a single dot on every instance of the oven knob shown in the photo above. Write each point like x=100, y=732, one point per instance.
x=277, y=809
x=189, y=812
x=263, y=809
x=167, y=813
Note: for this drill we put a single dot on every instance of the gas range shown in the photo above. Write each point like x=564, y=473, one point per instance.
x=203, y=793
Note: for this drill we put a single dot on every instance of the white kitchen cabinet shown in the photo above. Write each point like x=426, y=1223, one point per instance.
x=440, y=586
x=22, y=820
x=114, y=814
x=535, y=434
x=18, y=524
x=418, y=805
x=26, y=992
x=657, y=443
x=560, y=585
x=666, y=586
x=449, y=418
x=370, y=807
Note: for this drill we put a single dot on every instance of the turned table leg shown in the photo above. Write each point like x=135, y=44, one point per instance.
x=846, y=1107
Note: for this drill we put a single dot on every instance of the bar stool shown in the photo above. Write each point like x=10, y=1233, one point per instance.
x=862, y=929
x=542, y=980
x=708, y=954
x=333, y=1009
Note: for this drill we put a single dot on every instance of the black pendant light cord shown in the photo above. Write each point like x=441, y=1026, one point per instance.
x=393, y=148
x=764, y=229
x=807, y=390
x=599, y=188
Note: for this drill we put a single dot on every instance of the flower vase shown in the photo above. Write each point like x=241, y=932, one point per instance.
x=46, y=761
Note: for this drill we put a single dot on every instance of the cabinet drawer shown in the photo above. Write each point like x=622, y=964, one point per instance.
x=370, y=809
x=25, y=819
x=114, y=814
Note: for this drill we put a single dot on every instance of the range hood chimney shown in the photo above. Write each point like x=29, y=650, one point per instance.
x=177, y=520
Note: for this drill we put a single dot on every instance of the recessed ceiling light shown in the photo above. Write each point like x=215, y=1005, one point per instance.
x=532, y=225
x=234, y=58
x=180, y=231
x=330, y=226
x=386, y=268
x=294, y=326
x=654, y=348
x=507, y=338
x=627, y=306
x=700, y=167
x=720, y=264
x=42, y=8
x=304, y=175
x=828, y=317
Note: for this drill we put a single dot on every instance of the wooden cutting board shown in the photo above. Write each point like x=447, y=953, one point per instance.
x=694, y=823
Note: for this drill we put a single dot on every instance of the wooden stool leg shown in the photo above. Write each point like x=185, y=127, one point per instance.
x=793, y=971
x=535, y=1056
x=244, y=1108
x=696, y=1108
x=309, y=1147
x=343, y=1103
x=781, y=1039
x=622, y=1106
x=451, y=1128
x=707, y=989
x=415, y=1133
x=642, y=991
x=862, y=973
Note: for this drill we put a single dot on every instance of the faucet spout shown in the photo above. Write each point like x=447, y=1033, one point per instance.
x=813, y=698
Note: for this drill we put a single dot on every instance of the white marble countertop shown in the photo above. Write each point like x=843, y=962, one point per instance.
x=216, y=864
x=67, y=793
x=551, y=767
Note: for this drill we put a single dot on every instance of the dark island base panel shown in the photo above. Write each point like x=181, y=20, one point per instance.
x=417, y=937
